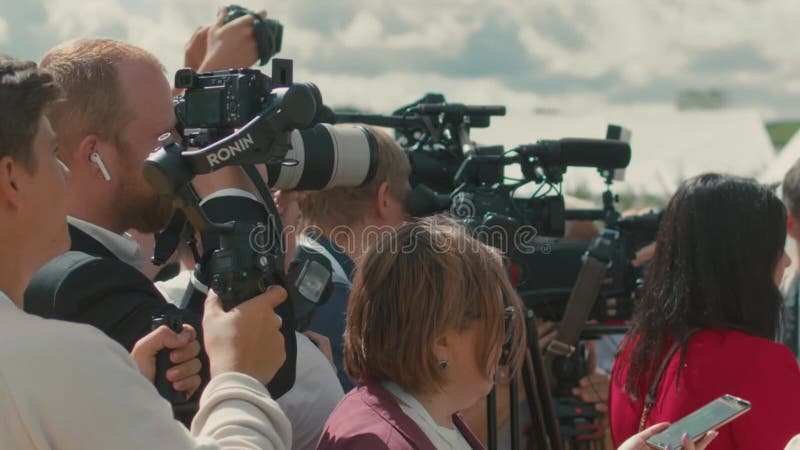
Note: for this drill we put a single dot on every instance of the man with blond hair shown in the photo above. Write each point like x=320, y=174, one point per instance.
x=342, y=222
x=117, y=102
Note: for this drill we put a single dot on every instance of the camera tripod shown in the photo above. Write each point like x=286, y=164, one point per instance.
x=536, y=367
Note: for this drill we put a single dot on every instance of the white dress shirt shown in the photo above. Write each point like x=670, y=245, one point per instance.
x=123, y=246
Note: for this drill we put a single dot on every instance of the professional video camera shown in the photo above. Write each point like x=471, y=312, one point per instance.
x=243, y=118
x=435, y=135
x=546, y=265
x=560, y=280
x=452, y=173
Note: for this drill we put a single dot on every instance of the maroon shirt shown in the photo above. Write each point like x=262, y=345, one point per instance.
x=719, y=362
x=370, y=418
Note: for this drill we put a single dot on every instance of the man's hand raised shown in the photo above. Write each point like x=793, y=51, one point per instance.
x=229, y=45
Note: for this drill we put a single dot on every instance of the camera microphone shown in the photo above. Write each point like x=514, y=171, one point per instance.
x=604, y=154
x=460, y=109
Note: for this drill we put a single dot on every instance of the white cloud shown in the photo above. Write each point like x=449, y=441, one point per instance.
x=636, y=43
x=446, y=35
x=158, y=31
x=652, y=39
x=69, y=19
x=793, y=86
x=630, y=42
x=4, y=31
x=388, y=91
x=364, y=31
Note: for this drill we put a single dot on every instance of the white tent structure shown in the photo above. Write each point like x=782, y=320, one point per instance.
x=668, y=145
x=780, y=165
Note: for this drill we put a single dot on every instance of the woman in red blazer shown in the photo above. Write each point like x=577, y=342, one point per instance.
x=709, y=313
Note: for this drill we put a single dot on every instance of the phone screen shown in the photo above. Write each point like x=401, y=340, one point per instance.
x=699, y=422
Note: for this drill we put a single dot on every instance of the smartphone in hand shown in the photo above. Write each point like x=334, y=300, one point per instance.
x=711, y=416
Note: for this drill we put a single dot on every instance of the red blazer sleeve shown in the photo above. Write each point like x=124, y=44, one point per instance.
x=771, y=382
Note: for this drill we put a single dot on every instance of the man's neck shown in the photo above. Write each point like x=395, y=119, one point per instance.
x=13, y=278
x=351, y=242
x=96, y=216
x=14, y=293
x=355, y=240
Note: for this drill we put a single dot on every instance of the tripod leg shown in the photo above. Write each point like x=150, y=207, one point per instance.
x=540, y=437
x=514, y=397
x=535, y=364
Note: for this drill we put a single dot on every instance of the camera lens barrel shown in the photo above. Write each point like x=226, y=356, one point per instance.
x=327, y=157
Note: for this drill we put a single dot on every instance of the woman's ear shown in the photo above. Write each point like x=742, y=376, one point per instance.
x=442, y=347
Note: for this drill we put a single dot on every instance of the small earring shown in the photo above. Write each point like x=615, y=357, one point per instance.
x=443, y=364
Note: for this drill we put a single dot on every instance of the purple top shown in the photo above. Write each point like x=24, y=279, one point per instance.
x=369, y=417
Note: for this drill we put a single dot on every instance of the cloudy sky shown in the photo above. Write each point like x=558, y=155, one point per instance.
x=570, y=55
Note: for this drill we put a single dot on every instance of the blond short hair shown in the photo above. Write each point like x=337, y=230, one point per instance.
x=94, y=100
x=428, y=277
x=348, y=205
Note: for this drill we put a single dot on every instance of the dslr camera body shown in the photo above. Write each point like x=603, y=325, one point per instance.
x=244, y=118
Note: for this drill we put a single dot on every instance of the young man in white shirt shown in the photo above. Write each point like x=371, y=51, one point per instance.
x=67, y=386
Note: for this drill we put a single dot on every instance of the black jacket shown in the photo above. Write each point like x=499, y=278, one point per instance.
x=90, y=285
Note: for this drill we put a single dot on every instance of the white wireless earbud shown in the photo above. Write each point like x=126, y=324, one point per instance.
x=95, y=158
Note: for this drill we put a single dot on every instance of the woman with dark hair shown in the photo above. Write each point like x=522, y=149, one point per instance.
x=710, y=311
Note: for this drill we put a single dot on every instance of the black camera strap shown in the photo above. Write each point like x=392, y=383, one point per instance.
x=168, y=239
x=596, y=262
x=263, y=191
x=285, y=377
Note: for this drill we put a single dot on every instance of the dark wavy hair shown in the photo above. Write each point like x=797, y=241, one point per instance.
x=25, y=94
x=717, y=248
